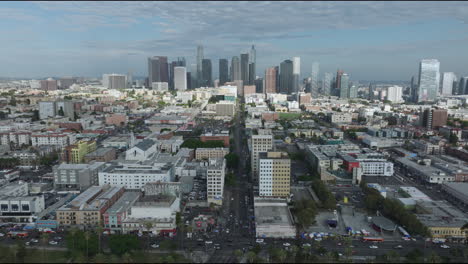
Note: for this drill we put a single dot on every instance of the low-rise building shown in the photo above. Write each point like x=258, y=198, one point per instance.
x=134, y=176
x=273, y=218
x=76, y=153
x=101, y=155
x=76, y=177
x=88, y=207
x=210, y=153
x=115, y=215
x=216, y=137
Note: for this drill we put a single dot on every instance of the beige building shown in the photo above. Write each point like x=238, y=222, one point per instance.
x=263, y=142
x=211, y=153
x=225, y=108
x=274, y=174
x=88, y=207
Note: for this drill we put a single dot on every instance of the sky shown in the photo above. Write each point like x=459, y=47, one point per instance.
x=368, y=40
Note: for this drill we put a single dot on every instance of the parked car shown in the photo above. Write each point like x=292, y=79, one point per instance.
x=155, y=246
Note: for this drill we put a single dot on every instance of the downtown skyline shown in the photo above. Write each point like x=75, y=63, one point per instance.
x=368, y=40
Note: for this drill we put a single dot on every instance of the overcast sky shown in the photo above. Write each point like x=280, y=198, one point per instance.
x=368, y=40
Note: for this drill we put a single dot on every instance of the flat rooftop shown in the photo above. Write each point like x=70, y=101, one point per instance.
x=125, y=202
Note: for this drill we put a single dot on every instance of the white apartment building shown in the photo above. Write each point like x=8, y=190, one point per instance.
x=263, y=142
x=340, y=117
x=17, y=138
x=376, y=167
x=160, y=86
x=57, y=139
x=134, y=176
x=394, y=94
x=215, y=174
x=47, y=109
x=274, y=174
x=225, y=108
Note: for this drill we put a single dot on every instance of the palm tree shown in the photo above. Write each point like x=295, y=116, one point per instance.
x=148, y=226
x=251, y=256
x=73, y=231
x=45, y=239
x=127, y=258
x=238, y=253
x=434, y=258
x=15, y=250
x=100, y=258
x=99, y=230
x=87, y=237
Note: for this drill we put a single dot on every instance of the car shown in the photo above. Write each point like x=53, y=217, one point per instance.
x=286, y=244
x=27, y=243
x=155, y=246
x=53, y=242
x=339, y=244
x=208, y=242
x=374, y=247
x=444, y=246
x=34, y=241
x=58, y=238
x=1, y=234
x=306, y=245
x=259, y=240
x=399, y=247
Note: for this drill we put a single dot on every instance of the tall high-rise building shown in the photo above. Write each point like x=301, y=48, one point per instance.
x=274, y=174
x=158, y=69
x=338, y=79
x=207, y=79
x=180, y=78
x=47, y=109
x=414, y=90
x=179, y=63
x=235, y=69
x=327, y=84
x=429, y=78
x=49, y=84
x=251, y=73
x=259, y=85
x=263, y=142
x=215, y=180
x=270, y=80
x=296, y=74
x=199, y=61
x=252, y=64
x=115, y=81
x=463, y=85
x=286, y=77
x=189, y=81
x=344, y=85
x=314, y=85
x=448, y=80
x=352, y=91
x=223, y=71
x=277, y=69
x=244, y=68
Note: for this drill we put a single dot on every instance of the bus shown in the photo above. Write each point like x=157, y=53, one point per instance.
x=373, y=239
x=403, y=232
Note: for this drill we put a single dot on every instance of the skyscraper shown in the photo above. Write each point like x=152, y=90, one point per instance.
x=286, y=77
x=157, y=69
x=344, y=85
x=315, y=75
x=180, y=78
x=448, y=81
x=296, y=74
x=429, y=77
x=252, y=64
x=244, y=68
x=259, y=85
x=352, y=91
x=463, y=85
x=223, y=71
x=277, y=69
x=338, y=79
x=327, y=83
x=394, y=94
x=189, y=81
x=414, y=90
x=206, y=73
x=235, y=69
x=251, y=73
x=199, y=61
x=270, y=80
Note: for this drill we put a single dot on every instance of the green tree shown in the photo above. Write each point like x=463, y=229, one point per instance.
x=119, y=244
x=453, y=139
x=251, y=256
x=61, y=112
x=434, y=258
x=232, y=160
x=45, y=240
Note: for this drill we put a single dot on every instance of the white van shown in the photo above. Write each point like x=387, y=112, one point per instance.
x=259, y=240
